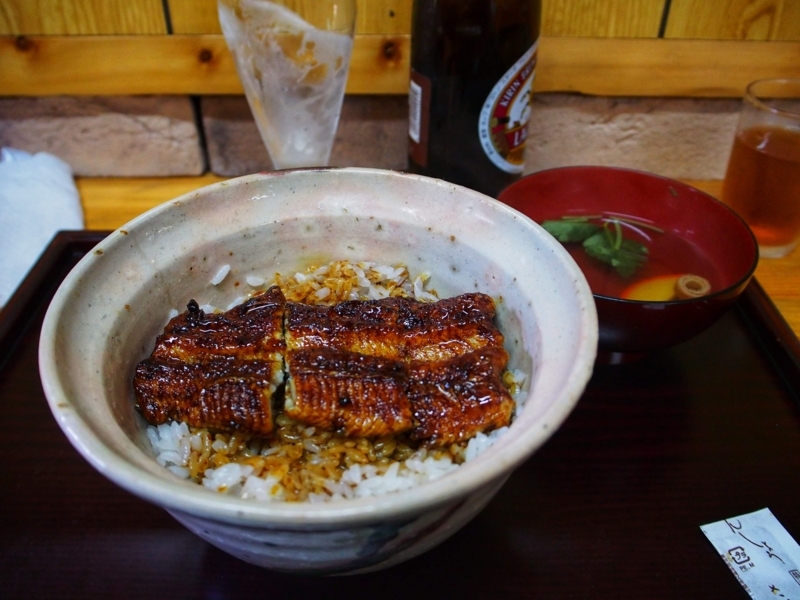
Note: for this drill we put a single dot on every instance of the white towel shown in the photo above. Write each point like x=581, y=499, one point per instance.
x=38, y=198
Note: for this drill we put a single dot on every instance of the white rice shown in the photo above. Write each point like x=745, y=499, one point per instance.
x=172, y=442
x=221, y=275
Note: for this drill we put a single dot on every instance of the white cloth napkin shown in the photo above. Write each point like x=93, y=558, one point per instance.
x=38, y=198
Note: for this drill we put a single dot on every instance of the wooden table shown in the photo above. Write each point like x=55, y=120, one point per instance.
x=109, y=203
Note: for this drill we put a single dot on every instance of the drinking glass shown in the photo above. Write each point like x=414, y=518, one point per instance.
x=292, y=57
x=762, y=182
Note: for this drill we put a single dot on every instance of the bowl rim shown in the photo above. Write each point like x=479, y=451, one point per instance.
x=721, y=293
x=187, y=497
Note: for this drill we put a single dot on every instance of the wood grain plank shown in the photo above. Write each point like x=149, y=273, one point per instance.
x=81, y=17
x=80, y=65
x=110, y=202
x=384, y=17
x=194, y=16
x=789, y=29
x=201, y=64
x=615, y=18
x=611, y=18
x=175, y=64
x=374, y=17
x=693, y=68
x=380, y=65
x=762, y=20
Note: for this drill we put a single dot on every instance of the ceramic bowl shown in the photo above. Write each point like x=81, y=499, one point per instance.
x=630, y=327
x=106, y=315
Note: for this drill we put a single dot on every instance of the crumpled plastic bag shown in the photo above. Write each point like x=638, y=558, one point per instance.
x=38, y=198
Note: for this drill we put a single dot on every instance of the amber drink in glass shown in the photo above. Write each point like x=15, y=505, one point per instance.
x=762, y=182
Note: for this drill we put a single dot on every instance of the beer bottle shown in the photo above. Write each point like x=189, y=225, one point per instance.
x=472, y=68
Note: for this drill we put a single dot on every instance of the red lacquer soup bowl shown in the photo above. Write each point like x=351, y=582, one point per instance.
x=686, y=230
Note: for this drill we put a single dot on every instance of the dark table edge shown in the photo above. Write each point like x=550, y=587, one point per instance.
x=40, y=284
x=775, y=337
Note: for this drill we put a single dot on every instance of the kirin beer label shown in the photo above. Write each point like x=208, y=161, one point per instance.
x=503, y=122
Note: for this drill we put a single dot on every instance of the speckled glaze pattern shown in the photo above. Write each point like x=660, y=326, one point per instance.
x=323, y=551
x=105, y=316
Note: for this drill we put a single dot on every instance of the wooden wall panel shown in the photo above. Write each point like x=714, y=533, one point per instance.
x=658, y=67
x=604, y=18
x=201, y=64
x=387, y=17
x=194, y=16
x=384, y=17
x=789, y=29
x=603, y=47
x=116, y=65
x=168, y=64
x=81, y=17
x=755, y=20
x=688, y=19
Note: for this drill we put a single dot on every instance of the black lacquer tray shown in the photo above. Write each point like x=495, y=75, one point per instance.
x=610, y=507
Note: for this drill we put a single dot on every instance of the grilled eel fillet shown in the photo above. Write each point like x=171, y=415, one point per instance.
x=217, y=370
x=448, y=354
x=225, y=394
x=365, y=396
x=453, y=400
x=367, y=368
x=398, y=328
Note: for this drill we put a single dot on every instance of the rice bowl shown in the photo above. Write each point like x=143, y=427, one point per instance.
x=110, y=308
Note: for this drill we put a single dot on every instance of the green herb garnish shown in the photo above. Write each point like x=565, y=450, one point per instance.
x=603, y=239
x=571, y=230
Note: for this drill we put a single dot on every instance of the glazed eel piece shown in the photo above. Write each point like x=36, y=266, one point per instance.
x=396, y=364
x=333, y=389
x=455, y=399
x=366, y=368
x=217, y=370
x=398, y=328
